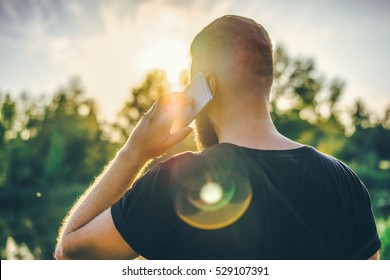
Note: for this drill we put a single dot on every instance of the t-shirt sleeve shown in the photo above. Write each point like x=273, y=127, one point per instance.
x=145, y=216
x=367, y=237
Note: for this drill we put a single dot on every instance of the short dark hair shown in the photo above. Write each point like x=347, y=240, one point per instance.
x=243, y=39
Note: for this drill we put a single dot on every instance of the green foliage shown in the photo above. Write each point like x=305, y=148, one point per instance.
x=383, y=226
x=50, y=150
x=139, y=101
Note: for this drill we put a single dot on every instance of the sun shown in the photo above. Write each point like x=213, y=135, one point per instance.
x=170, y=55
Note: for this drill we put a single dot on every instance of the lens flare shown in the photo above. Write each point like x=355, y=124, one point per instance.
x=211, y=193
x=214, y=205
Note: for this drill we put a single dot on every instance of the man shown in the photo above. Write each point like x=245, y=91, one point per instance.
x=275, y=198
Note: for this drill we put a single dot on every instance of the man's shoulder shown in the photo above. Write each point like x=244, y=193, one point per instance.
x=332, y=162
x=335, y=172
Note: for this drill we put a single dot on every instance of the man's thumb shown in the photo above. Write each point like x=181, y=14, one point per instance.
x=178, y=136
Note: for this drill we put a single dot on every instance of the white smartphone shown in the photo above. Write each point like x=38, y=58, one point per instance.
x=200, y=91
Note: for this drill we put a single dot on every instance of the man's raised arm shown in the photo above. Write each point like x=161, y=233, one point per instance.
x=88, y=231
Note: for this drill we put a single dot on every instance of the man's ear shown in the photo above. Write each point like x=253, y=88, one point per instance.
x=212, y=84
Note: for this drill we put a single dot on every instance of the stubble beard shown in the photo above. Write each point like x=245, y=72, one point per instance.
x=205, y=133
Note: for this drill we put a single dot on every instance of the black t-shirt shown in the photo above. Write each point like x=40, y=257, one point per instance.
x=303, y=205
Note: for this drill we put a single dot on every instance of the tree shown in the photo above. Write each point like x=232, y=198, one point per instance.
x=7, y=119
x=54, y=149
x=304, y=106
x=138, y=102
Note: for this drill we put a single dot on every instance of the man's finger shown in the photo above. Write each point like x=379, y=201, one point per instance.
x=172, y=104
x=151, y=109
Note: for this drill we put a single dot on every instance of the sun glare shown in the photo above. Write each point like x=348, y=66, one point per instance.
x=168, y=55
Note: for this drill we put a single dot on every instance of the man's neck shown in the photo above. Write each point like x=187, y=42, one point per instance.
x=257, y=133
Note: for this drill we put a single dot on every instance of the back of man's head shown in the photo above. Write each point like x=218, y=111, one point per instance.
x=238, y=51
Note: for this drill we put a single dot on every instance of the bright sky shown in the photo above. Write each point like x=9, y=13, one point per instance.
x=110, y=44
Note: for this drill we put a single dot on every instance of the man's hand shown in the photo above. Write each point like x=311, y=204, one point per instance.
x=152, y=136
